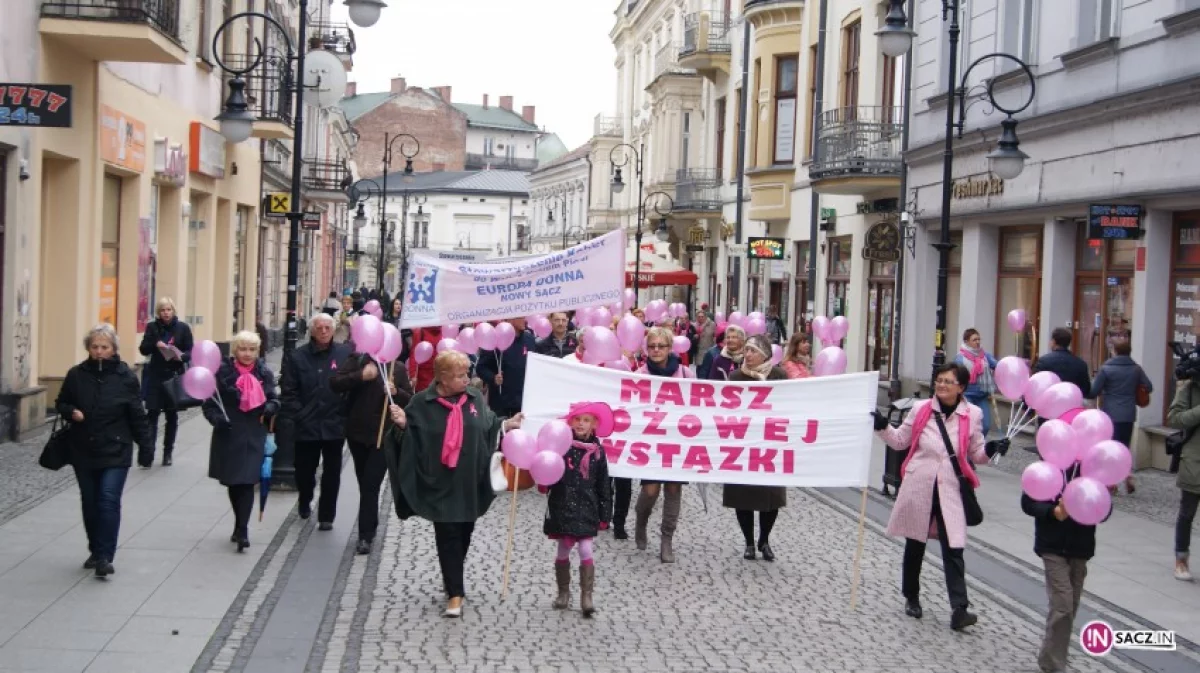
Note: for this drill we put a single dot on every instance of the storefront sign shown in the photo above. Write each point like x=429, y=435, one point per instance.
x=42, y=105
x=765, y=248
x=279, y=204
x=311, y=221
x=883, y=243
x=974, y=189
x=170, y=163
x=208, y=151
x=1114, y=222
x=122, y=140
x=697, y=237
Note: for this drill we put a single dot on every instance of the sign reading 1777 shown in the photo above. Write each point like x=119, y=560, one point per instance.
x=40, y=105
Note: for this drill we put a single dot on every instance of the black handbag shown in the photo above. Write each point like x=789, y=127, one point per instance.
x=972, y=512
x=178, y=398
x=57, y=453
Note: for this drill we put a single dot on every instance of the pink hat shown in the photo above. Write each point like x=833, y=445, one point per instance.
x=602, y=412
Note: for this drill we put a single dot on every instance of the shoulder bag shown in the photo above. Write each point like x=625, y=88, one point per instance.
x=57, y=452
x=1142, y=396
x=972, y=512
x=172, y=388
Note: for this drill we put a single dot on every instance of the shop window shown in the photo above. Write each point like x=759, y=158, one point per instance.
x=1019, y=286
x=838, y=281
x=1183, y=318
x=110, y=249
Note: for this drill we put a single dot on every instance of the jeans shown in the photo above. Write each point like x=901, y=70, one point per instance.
x=953, y=564
x=168, y=434
x=1064, y=586
x=100, y=495
x=370, y=466
x=980, y=400
x=1183, y=525
x=308, y=456
x=241, y=497
x=453, y=540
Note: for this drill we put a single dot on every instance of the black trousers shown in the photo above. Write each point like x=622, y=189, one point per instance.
x=453, y=541
x=766, y=521
x=1188, y=503
x=308, y=456
x=169, y=432
x=952, y=562
x=623, y=495
x=370, y=467
x=241, y=497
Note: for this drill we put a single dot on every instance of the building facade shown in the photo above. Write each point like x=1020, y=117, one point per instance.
x=498, y=138
x=1113, y=121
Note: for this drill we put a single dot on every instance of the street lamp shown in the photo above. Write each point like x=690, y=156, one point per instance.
x=409, y=148
x=618, y=186
x=420, y=198
x=357, y=194
x=1005, y=162
x=237, y=124
x=561, y=201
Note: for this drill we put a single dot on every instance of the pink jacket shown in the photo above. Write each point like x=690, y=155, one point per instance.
x=796, y=370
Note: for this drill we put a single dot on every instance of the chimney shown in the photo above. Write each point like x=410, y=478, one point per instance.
x=527, y=113
x=443, y=92
x=351, y=89
x=399, y=85
x=506, y=103
x=485, y=101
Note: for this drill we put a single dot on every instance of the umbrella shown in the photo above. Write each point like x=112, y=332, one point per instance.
x=264, y=484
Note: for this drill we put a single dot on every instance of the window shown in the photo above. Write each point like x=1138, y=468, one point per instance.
x=838, y=282
x=1097, y=20
x=422, y=232
x=752, y=120
x=1020, y=31
x=741, y=107
x=228, y=36
x=786, y=76
x=1019, y=286
x=203, y=44
x=1184, y=316
x=489, y=146
x=851, y=43
x=720, y=137
x=110, y=249
x=800, y=257
x=887, y=96
x=685, y=141
x=809, y=105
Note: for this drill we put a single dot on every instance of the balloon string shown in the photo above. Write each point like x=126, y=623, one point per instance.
x=1026, y=424
x=220, y=405
x=1021, y=415
x=385, y=375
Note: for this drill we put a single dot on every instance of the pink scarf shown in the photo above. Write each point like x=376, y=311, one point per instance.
x=964, y=441
x=249, y=387
x=978, y=362
x=453, y=440
x=588, y=449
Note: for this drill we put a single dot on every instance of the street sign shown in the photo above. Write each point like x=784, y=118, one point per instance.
x=279, y=204
x=311, y=221
x=1114, y=222
x=35, y=105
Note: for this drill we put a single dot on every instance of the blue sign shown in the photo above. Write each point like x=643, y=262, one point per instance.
x=1113, y=222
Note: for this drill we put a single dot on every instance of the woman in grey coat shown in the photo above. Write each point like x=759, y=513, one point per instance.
x=1116, y=383
x=248, y=403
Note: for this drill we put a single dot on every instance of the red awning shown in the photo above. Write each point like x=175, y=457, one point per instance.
x=658, y=278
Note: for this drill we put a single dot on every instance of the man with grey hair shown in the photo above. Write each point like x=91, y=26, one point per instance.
x=318, y=416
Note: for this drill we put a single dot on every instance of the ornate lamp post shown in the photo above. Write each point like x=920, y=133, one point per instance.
x=618, y=185
x=1006, y=161
x=409, y=147
x=420, y=198
x=357, y=194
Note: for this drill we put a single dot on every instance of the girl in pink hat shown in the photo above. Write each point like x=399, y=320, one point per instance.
x=580, y=504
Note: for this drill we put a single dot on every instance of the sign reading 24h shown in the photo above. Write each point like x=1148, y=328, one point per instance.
x=440, y=291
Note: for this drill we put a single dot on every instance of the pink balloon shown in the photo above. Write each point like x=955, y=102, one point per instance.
x=392, y=344
x=630, y=331
x=1056, y=443
x=377, y=313
x=616, y=308
x=601, y=345
x=1016, y=319
x=839, y=327
x=541, y=327
x=519, y=448
x=1059, y=399
x=450, y=331
x=719, y=316
x=547, y=468
x=736, y=318
x=681, y=344
x=372, y=306
x=199, y=383
x=630, y=297
x=466, y=339
x=206, y=354
x=1087, y=501
x=366, y=331
x=1038, y=384
x=1012, y=376
x=423, y=352
x=555, y=437
x=1070, y=416
x=755, y=326
x=621, y=365
x=601, y=317
x=583, y=317
x=756, y=314
x=656, y=310
x=1042, y=481
x=1108, y=462
x=820, y=328
x=776, y=354
x=447, y=345
x=506, y=334
x=485, y=337
x=1092, y=426
x=830, y=362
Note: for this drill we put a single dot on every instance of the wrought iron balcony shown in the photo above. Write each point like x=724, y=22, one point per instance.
x=268, y=93
x=328, y=178
x=698, y=189
x=859, y=141
x=100, y=29
x=499, y=163
x=706, y=32
x=612, y=127
x=335, y=38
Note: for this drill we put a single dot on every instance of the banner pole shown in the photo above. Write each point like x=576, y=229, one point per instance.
x=862, y=527
x=512, y=522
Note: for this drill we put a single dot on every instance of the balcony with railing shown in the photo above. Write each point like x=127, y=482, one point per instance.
x=137, y=31
x=697, y=191
x=268, y=93
x=609, y=127
x=706, y=46
x=479, y=162
x=335, y=38
x=666, y=64
x=858, y=150
x=325, y=180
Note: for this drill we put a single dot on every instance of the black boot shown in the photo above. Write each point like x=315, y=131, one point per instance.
x=167, y=455
x=912, y=608
x=619, y=532
x=961, y=619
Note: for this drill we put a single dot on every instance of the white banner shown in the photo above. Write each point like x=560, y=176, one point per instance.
x=811, y=432
x=441, y=292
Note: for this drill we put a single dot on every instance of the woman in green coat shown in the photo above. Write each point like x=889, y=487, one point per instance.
x=1185, y=415
x=439, y=455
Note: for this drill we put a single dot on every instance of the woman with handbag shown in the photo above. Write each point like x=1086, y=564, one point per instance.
x=248, y=403
x=168, y=344
x=100, y=398
x=943, y=437
x=1119, y=383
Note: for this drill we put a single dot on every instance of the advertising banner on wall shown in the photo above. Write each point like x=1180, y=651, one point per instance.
x=122, y=139
x=146, y=264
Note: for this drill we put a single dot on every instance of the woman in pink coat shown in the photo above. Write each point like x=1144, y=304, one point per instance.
x=929, y=502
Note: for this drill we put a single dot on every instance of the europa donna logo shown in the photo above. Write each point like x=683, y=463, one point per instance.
x=1098, y=638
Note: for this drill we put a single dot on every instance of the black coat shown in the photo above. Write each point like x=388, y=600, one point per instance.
x=159, y=369
x=507, y=398
x=315, y=411
x=235, y=453
x=548, y=347
x=745, y=496
x=113, y=416
x=577, y=506
x=1069, y=367
x=1063, y=538
x=366, y=398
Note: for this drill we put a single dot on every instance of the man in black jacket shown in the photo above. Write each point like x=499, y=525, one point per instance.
x=505, y=376
x=560, y=343
x=318, y=415
x=1068, y=366
x=1065, y=548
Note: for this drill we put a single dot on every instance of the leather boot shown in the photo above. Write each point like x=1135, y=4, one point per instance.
x=167, y=451
x=587, y=581
x=562, y=575
x=672, y=503
x=645, y=505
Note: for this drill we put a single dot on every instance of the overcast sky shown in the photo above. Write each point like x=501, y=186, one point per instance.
x=553, y=54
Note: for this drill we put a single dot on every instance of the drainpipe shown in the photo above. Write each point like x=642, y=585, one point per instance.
x=741, y=158
x=510, y=225
x=898, y=294
x=814, y=213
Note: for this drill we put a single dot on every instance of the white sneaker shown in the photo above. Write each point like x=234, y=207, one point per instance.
x=1182, y=573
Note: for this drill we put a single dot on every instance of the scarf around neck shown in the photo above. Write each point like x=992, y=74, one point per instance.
x=668, y=369
x=249, y=387
x=453, y=439
x=977, y=358
x=589, y=447
x=735, y=358
x=758, y=373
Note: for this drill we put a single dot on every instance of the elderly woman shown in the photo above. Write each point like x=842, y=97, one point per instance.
x=248, y=404
x=168, y=344
x=438, y=455
x=660, y=361
x=99, y=397
x=944, y=429
x=766, y=500
x=730, y=358
x=797, y=359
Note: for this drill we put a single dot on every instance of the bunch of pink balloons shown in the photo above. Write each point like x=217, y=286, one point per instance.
x=678, y=310
x=374, y=309
x=392, y=344
x=200, y=381
x=830, y=332
x=546, y=465
x=656, y=311
x=1102, y=462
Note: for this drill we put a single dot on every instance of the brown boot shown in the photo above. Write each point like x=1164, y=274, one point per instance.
x=562, y=575
x=587, y=581
x=672, y=502
x=645, y=505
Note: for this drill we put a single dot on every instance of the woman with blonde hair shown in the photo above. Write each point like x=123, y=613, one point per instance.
x=168, y=344
x=797, y=359
x=247, y=406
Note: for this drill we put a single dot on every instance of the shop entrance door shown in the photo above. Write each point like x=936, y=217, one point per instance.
x=1087, y=341
x=880, y=298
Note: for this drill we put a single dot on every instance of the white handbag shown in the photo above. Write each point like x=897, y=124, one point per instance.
x=499, y=480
